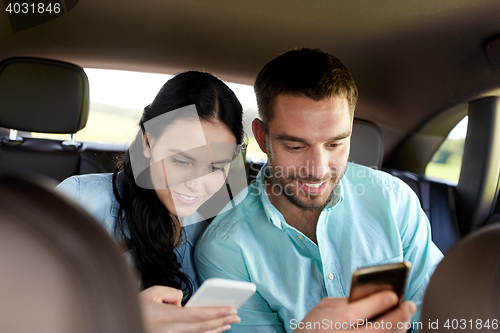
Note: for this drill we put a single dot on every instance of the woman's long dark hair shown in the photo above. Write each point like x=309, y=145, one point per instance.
x=144, y=224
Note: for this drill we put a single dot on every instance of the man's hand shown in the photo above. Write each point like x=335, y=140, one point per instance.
x=338, y=310
x=162, y=312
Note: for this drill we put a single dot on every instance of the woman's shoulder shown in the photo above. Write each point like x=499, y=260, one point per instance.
x=78, y=187
x=94, y=192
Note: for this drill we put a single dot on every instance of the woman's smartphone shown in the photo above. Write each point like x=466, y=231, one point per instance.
x=222, y=292
x=369, y=280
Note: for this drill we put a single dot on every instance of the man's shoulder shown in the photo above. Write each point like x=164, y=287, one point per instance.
x=236, y=220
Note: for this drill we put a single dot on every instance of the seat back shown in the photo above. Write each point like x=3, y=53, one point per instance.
x=466, y=286
x=47, y=96
x=367, y=144
x=60, y=270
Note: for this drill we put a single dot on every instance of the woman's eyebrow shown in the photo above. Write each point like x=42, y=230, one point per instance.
x=183, y=154
x=226, y=161
x=189, y=157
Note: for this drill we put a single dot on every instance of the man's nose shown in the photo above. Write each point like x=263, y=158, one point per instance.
x=318, y=163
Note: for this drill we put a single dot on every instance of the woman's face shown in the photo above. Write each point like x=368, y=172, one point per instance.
x=189, y=163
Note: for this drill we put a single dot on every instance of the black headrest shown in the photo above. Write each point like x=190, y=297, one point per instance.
x=367, y=144
x=42, y=95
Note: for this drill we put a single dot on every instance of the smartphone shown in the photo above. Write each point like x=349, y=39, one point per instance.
x=222, y=292
x=369, y=280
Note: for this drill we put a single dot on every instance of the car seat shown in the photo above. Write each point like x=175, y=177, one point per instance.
x=60, y=270
x=464, y=292
x=47, y=96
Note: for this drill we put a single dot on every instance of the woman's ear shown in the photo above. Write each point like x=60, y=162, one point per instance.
x=259, y=134
x=146, y=148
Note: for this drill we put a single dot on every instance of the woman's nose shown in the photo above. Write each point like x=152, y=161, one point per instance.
x=194, y=184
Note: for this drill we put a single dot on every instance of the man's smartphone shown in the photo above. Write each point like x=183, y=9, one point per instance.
x=222, y=292
x=369, y=280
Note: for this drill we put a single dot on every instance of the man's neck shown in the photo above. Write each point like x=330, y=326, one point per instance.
x=303, y=220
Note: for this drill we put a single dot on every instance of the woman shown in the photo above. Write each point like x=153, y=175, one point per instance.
x=179, y=159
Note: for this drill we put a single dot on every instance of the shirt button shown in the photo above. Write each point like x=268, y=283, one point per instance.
x=301, y=237
x=331, y=276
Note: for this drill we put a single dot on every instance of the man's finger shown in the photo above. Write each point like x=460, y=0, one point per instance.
x=373, y=305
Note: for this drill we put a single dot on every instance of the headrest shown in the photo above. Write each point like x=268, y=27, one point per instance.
x=42, y=95
x=367, y=144
x=466, y=284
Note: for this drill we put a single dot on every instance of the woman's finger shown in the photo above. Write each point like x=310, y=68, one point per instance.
x=162, y=294
x=201, y=314
x=211, y=326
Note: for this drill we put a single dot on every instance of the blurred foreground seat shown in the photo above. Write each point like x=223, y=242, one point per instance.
x=464, y=292
x=59, y=270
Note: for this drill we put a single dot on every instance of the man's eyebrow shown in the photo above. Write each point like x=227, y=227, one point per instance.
x=286, y=137
x=342, y=136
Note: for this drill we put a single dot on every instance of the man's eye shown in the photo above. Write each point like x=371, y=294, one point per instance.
x=334, y=145
x=295, y=148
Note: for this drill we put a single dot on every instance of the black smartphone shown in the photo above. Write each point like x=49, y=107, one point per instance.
x=369, y=280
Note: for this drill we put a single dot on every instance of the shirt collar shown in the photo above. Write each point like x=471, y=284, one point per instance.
x=273, y=215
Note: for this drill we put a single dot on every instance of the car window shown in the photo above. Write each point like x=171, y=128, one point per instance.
x=447, y=160
x=117, y=99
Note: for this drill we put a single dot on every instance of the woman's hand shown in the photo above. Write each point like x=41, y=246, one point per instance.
x=339, y=315
x=162, y=312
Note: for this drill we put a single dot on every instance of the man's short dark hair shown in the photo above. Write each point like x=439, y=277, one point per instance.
x=305, y=72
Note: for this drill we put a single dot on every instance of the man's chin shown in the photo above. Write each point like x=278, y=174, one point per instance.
x=309, y=203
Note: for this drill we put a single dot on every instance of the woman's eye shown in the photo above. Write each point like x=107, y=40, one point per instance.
x=182, y=163
x=217, y=168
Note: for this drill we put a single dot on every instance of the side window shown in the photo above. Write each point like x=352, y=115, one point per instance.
x=447, y=160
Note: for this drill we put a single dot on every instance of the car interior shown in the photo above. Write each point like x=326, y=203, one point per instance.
x=420, y=68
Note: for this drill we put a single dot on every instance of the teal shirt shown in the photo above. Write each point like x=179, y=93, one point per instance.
x=373, y=218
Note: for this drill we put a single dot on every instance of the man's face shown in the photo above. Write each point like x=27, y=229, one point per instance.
x=308, y=146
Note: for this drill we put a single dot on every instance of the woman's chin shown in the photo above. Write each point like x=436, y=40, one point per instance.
x=185, y=211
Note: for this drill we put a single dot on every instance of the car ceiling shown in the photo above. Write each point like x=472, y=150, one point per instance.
x=410, y=59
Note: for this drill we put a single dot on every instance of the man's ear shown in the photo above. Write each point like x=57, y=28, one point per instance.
x=146, y=147
x=259, y=134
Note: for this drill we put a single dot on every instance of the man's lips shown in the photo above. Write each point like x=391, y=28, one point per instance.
x=186, y=199
x=312, y=188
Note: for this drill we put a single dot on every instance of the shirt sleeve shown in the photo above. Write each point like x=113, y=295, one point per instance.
x=94, y=195
x=418, y=247
x=69, y=188
x=216, y=257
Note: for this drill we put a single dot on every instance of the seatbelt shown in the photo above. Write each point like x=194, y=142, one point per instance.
x=443, y=219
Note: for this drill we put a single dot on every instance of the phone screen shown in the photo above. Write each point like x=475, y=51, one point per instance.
x=369, y=280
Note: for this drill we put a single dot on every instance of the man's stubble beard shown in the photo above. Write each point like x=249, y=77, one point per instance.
x=294, y=197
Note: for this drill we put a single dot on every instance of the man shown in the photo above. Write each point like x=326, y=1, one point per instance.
x=311, y=219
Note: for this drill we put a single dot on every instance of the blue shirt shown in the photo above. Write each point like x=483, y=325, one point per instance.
x=373, y=218
x=94, y=192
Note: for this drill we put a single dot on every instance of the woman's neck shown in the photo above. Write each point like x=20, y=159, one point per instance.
x=177, y=228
